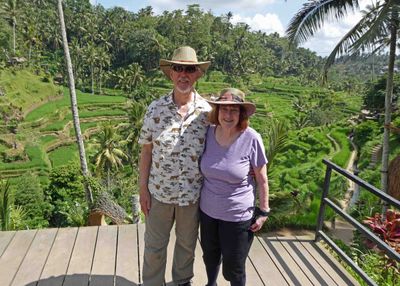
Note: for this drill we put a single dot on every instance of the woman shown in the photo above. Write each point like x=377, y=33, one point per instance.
x=228, y=217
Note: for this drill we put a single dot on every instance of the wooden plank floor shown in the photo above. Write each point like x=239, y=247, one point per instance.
x=112, y=255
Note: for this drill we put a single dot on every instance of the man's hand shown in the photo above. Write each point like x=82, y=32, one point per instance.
x=145, y=202
x=144, y=172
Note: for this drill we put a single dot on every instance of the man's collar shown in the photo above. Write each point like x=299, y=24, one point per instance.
x=169, y=97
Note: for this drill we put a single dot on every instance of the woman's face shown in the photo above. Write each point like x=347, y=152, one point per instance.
x=228, y=116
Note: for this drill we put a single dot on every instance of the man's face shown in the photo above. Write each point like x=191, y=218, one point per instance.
x=184, y=77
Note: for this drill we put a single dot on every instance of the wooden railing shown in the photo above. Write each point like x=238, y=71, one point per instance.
x=325, y=201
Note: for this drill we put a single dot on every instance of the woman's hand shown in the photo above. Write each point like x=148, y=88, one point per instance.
x=257, y=225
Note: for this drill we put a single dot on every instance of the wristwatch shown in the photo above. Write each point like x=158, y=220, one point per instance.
x=260, y=212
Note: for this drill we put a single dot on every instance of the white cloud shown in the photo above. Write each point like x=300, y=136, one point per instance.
x=268, y=23
x=325, y=40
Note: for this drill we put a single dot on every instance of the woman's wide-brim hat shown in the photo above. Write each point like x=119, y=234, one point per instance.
x=229, y=99
x=183, y=56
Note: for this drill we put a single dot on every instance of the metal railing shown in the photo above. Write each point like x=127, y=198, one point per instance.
x=325, y=201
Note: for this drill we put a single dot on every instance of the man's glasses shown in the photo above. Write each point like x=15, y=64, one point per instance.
x=187, y=69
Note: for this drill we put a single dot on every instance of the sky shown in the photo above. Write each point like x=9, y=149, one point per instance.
x=266, y=15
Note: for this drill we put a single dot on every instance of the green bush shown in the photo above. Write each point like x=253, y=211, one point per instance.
x=64, y=155
x=365, y=131
x=64, y=192
x=29, y=195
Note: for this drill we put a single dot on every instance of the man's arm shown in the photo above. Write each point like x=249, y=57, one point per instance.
x=144, y=172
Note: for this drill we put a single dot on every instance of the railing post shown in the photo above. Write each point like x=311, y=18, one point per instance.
x=135, y=208
x=322, y=206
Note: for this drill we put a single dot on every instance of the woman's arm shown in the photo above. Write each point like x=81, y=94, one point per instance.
x=262, y=185
x=263, y=196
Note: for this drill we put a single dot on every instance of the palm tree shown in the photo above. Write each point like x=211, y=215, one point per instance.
x=376, y=30
x=131, y=129
x=91, y=57
x=74, y=105
x=110, y=156
x=130, y=78
x=11, y=11
x=5, y=205
x=104, y=61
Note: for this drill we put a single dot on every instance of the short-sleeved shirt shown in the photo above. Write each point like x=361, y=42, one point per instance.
x=228, y=190
x=178, y=143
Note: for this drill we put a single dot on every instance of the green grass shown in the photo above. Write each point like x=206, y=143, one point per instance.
x=63, y=155
x=342, y=157
x=56, y=126
x=24, y=89
x=99, y=113
x=45, y=140
x=3, y=147
x=36, y=158
x=280, y=107
x=53, y=107
x=85, y=126
x=204, y=87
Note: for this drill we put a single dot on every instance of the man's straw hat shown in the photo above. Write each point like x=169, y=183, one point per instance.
x=183, y=56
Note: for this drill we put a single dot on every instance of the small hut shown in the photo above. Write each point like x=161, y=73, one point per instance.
x=394, y=178
x=394, y=170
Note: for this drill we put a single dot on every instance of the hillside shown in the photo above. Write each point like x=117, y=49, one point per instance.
x=43, y=139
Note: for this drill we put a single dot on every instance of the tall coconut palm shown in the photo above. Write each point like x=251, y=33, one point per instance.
x=74, y=105
x=131, y=129
x=11, y=12
x=376, y=30
x=91, y=56
x=110, y=155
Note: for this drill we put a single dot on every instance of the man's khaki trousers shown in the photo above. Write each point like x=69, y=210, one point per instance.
x=159, y=223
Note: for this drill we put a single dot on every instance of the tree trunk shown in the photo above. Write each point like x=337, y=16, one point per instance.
x=100, y=80
x=108, y=179
x=30, y=53
x=388, y=107
x=92, y=77
x=74, y=105
x=14, y=40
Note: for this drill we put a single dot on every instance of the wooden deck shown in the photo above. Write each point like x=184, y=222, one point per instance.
x=112, y=255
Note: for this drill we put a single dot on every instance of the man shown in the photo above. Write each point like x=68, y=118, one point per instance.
x=172, y=139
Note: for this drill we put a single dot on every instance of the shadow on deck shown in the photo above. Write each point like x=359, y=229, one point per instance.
x=112, y=255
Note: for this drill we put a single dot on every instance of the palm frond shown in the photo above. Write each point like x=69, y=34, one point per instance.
x=313, y=15
x=379, y=19
x=366, y=34
x=277, y=140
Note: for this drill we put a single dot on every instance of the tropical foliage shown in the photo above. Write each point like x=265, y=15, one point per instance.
x=115, y=56
x=377, y=30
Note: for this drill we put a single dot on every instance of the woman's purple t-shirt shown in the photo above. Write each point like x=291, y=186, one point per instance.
x=228, y=190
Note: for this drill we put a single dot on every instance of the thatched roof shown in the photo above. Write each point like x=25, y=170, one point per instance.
x=394, y=178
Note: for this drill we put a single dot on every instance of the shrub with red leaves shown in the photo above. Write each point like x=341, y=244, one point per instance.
x=388, y=229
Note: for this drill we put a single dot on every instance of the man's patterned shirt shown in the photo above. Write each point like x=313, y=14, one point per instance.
x=178, y=143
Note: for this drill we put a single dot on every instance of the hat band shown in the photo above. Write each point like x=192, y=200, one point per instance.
x=233, y=98
x=183, y=61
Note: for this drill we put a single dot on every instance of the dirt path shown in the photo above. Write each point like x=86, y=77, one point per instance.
x=342, y=229
x=336, y=146
x=351, y=184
